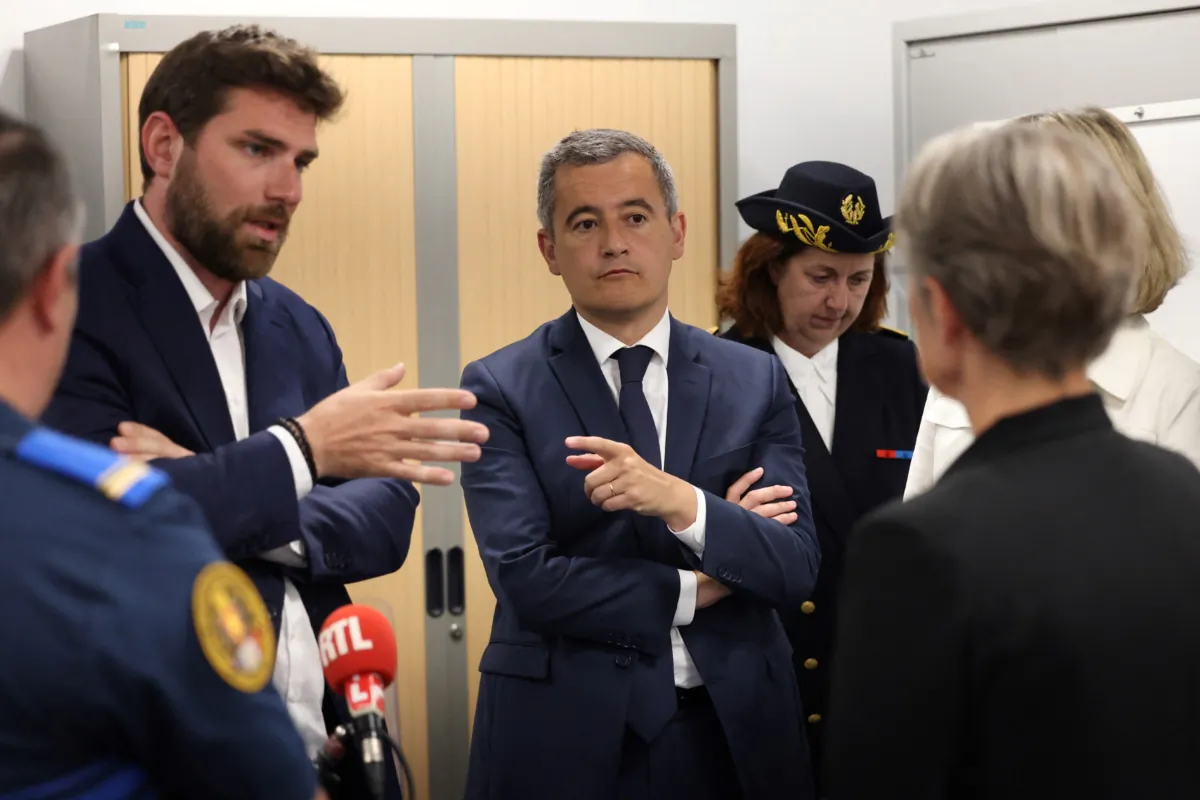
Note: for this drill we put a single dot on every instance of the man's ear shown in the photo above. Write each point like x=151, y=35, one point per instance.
x=54, y=287
x=679, y=235
x=546, y=246
x=162, y=144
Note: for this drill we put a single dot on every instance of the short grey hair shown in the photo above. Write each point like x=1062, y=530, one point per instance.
x=599, y=146
x=1033, y=235
x=40, y=212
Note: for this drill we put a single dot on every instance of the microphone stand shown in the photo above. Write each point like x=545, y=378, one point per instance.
x=327, y=760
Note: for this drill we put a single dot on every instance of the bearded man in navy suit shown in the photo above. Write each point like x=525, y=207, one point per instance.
x=185, y=352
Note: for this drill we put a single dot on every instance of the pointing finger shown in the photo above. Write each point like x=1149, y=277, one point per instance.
x=605, y=448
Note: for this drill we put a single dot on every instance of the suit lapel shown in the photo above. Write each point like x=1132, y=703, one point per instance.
x=574, y=365
x=687, y=388
x=167, y=313
x=850, y=405
x=830, y=497
x=266, y=361
x=859, y=403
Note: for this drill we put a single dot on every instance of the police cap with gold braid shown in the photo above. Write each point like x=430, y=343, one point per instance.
x=119, y=478
x=822, y=204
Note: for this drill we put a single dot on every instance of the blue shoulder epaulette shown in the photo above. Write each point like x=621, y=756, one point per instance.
x=126, y=481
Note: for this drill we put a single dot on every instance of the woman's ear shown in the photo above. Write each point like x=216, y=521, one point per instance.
x=775, y=272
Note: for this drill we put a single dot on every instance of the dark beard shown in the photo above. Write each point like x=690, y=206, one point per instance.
x=214, y=242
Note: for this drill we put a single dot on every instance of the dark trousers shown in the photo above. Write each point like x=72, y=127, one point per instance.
x=689, y=760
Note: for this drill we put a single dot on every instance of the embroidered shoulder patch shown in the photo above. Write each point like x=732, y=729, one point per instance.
x=233, y=626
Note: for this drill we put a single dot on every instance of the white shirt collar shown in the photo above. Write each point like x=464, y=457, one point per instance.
x=1119, y=368
x=202, y=299
x=604, y=345
x=824, y=363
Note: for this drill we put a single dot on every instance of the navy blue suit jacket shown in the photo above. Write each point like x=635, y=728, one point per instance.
x=138, y=353
x=580, y=608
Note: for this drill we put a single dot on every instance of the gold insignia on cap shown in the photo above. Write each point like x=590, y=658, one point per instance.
x=805, y=231
x=853, y=209
x=233, y=626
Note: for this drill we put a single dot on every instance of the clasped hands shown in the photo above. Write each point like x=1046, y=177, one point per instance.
x=619, y=479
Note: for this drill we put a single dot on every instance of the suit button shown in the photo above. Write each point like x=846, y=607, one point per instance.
x=808, y=606
x=810, y=663
x=624, y=661
x=814, y=718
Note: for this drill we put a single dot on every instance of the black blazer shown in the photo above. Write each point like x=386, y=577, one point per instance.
x=880, y=399
x=1029, y=627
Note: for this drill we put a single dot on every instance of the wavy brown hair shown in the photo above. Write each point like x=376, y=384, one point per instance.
x=192, y=82
x=748, y=296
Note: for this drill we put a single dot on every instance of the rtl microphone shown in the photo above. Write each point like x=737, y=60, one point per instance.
x=358, y=654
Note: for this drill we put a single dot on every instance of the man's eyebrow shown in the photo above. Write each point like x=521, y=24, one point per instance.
x=271, y=141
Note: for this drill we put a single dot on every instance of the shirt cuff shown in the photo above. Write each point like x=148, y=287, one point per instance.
x=300, y=471
x=693, y=535
x=685, y=611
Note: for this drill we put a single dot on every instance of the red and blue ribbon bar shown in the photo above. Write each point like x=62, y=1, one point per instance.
x=903, y=455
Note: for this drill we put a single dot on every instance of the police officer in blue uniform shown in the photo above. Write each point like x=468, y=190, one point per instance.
x=135, y=662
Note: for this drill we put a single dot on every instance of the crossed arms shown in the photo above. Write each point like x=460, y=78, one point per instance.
x=590, y=597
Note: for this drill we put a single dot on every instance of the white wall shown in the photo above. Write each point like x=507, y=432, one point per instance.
x=814, y=78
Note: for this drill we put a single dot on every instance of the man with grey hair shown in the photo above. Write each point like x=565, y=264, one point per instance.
x=635, y=651
x=1030, y=627
x=137, y=661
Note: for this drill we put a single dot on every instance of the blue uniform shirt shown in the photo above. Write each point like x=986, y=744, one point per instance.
x=135, y=662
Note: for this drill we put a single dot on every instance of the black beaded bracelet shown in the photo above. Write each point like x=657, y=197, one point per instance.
x=293, y=427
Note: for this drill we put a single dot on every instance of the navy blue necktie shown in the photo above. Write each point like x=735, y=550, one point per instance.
x=652, y=702
x=635, y=411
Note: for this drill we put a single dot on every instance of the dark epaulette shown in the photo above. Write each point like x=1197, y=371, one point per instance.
x=891, y=333
x=119, y=478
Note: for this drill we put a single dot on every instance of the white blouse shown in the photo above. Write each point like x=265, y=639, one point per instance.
x=815, y=380
x=1150, y=390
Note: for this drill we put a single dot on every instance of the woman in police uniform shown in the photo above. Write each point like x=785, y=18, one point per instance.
x=810, y=287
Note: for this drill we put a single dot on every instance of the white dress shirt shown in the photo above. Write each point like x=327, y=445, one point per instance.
x=815, y=380
x=298, y=676
x=1150, y=390
x=654, y=386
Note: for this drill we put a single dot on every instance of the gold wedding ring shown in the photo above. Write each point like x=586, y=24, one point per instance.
x=611, y=492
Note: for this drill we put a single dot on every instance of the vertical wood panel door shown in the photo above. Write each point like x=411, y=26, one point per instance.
x=351, y=254
x=508, y=113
